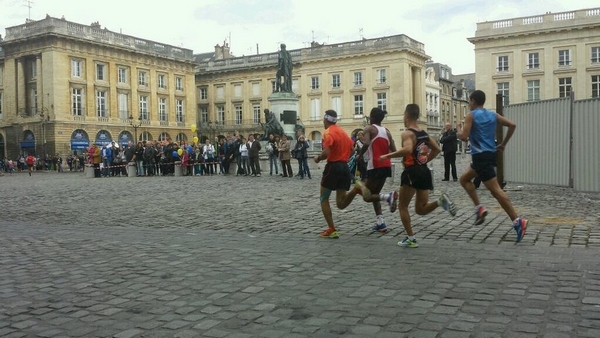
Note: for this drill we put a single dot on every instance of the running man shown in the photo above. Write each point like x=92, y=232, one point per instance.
x=30, y=160
x=377, y=141
x=480, y=130
x=337, y=147
x=418, y=148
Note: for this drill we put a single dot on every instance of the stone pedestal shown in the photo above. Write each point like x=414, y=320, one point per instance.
x=89, y=171
x=281, y=102
x=131, y=169
x=178, y=169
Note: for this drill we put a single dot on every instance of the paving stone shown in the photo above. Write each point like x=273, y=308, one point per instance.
x=128, y=333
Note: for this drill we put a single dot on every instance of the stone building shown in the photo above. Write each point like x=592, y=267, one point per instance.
x=64, y=85
x=539, y=57
x=350, y=77
x=432, y=103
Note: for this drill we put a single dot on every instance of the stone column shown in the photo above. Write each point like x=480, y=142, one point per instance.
x=21, y=95
x=39, y=83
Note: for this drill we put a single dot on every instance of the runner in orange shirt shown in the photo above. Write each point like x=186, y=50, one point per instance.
x=337, y=147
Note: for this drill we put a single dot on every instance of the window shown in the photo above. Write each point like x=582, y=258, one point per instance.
x=256, y=113
x=76, y=68
x=358, y=79
x=203, y=93
x=533, y=90
x=162, y=109
x=33, y=101
x=382, y=101
x=273, y=86
x=142, y=78
x=503, y=90
x=336, y=104
x=533, y=60
x=143, y=107
x=220, y=93
x=595, y=55
x=203, y=114
x=220, y=115
x=162, y=81
x=381, y=76
x=503, y=63
x=237, y=90
x=314, y=82
x=564, y=87
x=335, y=81
x=101, y=103
x=123, y=105
x=122, y=75
x=238, y=115
x=179, y=114
x=0, y=105
x=315, y=109
x=100, y=72
x=1, y=75
x=178, y=83
x=32, y=69
x=295, y=85
x=77, y=101
x=564, y=57
x=595, y=85
x=358, y=105
x=256, y=89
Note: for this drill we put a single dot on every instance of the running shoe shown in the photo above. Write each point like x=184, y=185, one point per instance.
x=447, y=204
x=407, y=242
x=329, y=233
x=520, y=226
x=480, y=214
x=360, y=186
x=380, y=228
x=393, y=200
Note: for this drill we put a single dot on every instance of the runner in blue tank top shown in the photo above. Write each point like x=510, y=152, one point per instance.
x=480, y=129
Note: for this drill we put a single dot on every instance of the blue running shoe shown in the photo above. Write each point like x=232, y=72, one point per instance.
x=379, y=228
x=520, y=226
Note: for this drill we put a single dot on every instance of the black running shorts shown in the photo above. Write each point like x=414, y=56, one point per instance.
x=484, y=165
x=336, y=176
x=418, y=177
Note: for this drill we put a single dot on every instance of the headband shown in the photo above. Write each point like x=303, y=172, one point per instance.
x=330, y=118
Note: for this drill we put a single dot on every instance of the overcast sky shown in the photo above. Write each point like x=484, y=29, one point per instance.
x=442, y=25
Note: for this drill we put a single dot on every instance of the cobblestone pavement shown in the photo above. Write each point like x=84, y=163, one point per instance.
x=239, y=257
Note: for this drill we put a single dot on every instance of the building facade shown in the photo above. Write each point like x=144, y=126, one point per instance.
x=350, y=77
x=539, y=57
x=65, y=85
x=432, y=103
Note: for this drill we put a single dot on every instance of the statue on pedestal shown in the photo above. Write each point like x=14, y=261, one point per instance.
x=272, y=125
x=284, y=70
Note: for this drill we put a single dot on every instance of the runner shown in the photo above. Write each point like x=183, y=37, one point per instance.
x=377, y=141
x=418, y=148
x=337, y=146
x=480, y=130
x=30, y=160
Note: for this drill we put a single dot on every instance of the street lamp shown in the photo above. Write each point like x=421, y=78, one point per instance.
x=135, y=126
x=42, y=116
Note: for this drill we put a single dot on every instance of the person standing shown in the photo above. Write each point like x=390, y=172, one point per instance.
x=285, y=156
x=273, y=153
x=253, y=150
x=96, y=159
x=418, y=148
x=377, y=141
x=302, y=157
x=449, y=142
x=337, y=147
x=480, y=130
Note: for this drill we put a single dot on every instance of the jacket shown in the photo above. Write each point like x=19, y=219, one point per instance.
x=284, y=150
x=254, y=149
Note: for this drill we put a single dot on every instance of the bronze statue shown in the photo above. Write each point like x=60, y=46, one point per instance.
x=284, y=69
x=271, y=126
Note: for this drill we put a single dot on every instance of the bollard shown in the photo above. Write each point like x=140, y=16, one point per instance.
x=131, y=169
x=178, y=169
x=89, y=171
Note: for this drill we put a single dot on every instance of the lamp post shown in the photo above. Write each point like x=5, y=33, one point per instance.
x=135, y=126
x=43, y=120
